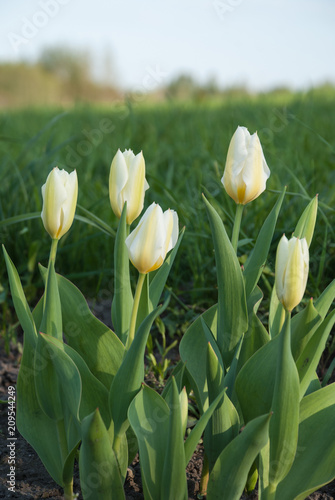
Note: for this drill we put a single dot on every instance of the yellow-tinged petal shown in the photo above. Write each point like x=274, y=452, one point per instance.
x=246, y=171
x=127, y=183
x=59, y=195
x=153, y=237
x=292, y=263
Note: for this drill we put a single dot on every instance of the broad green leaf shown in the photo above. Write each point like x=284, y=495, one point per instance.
x=193, y=352
x=309, y=359
x=283, y=431
x=94, y=393
x=323, y=303
x=33, y=424
x=57, y=379
x=123, y=298
x=256, y=261
x=100, y=348
x=212, y=341
x=256, y=335
x=158, y=283
x=149, y=418
x=196, y=433
x=232, y=306
x=314, y=464
x=20, y=303
x=127, y=381
x=230, y=472
x=178, y=373
x=52, y=315
x=306, y=223
x=224, y=424
x=99, y=472
x=256, y=380
x=303, y=326
x=173, y=482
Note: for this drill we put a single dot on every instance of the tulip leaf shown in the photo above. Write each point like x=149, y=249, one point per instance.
x=178, y=374
x=20, y=303
x=230, y=472
x=309, y=359
x=256, y=335
x=173, y=481
x=149, y=417
x=128, y=379
x=283, y=429
x=256, y=260
x=94, y=393
x=123, y=298
x=303, y=326
x=99, y=471
x=232, y=306
x=193, y=352
x=52, y=315
x=39, y=430
x=314, y=463
x=256, y=381
x=158, y=283
x=306, y=223
x=224, y=424
x=196, y=433
x=57, y=379
x=323, y=303
x=101, y=349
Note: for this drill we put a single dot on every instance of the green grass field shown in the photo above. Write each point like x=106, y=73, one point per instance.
x=184, y=145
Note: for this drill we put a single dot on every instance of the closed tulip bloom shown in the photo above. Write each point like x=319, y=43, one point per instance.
x=60, y=193
x=127, y=183
x=246, y=171
x=292, y=263
x=155, y=235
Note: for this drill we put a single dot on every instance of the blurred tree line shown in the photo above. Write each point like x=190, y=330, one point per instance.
x=60, y=76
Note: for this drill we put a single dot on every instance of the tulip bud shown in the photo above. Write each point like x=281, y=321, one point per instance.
x=127, y=183
x=60, y=193
x=155, y=235
x=292, y=262
x=246, y=171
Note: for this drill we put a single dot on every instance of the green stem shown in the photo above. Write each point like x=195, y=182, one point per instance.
x=237, y=225
x=134, y=312
x=68, y=491
x=270, y=492
x=53, y=251
x=61, y=433
x=204, y=477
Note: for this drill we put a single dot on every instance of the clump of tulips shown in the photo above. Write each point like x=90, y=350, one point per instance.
x=264, y=415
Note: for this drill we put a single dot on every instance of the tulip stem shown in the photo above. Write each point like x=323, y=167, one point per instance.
x=53, y=251
x=134, y=312
x=237, y=225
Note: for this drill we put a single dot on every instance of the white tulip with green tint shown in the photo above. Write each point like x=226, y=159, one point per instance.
x=246, y=170
x=127, y=183
x=292, y=263
x=151, y=240
x=60, y=193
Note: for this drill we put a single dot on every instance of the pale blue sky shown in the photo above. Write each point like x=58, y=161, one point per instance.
x=260, y=43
